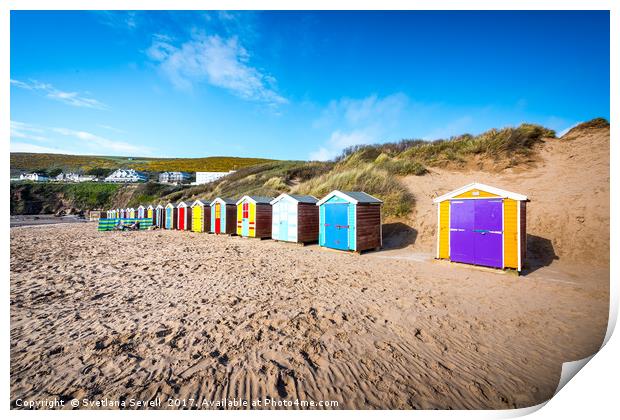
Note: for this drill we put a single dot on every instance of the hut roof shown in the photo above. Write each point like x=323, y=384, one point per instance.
x=200, y=202
x=479, y=186
x=354, y=197
x=224, y=201
x=256, y=199
x=142, y=205
x=309, y=199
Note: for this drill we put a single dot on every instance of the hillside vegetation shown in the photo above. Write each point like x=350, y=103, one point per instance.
x=376, y=169
x=46, y=162
x=48, y=198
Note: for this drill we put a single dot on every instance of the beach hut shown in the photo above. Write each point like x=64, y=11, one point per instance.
x=122, y=213
x=295, y=218
x=254, y=216
x=131, y=213
x=223, y=216
x=201, y=216
x=170, y=216
x=350, y=221
x=141, y=212
x=150, y=212
x=183, y=211
x=482, y=225
x=160, y=216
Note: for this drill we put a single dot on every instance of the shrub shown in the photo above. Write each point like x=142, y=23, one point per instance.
x=397, y=200
x=403, y=167
x=276, y=183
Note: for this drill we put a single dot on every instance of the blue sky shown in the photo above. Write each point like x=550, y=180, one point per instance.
x=295, y=85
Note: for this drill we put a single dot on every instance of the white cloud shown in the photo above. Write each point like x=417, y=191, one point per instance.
x=69, y=98
x=220, y=62
x=25, y=131
x=114, y=129
x=561, y=133
x=357, y=121
x=122, y=19
x=105, y=144
x=450, y=128
x=17, y=147
x=72, y=141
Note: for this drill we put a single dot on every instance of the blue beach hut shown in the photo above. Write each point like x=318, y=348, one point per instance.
x=350, y=221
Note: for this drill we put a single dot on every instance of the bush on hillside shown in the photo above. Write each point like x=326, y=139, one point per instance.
x=403, y=167
x=397, y=200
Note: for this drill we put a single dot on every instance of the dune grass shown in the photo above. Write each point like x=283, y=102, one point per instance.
x=412, y=156
x=377, y=182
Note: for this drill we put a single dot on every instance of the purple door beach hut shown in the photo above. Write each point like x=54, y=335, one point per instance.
x=482, y=225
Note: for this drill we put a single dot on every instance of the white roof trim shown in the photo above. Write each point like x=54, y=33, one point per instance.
x=181, y=204
x=243, y=199
x=341, y=195
x=218, y=200
x=284, y=195
x=170, y=205
x=483, y=187
x=278, y=198
x=159, y=206
x=150, y=206
x=141, y=206
x=200, y=203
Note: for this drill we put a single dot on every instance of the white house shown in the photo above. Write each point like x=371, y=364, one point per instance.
x=206, y=177
x=34, y=177
x=73, y=177
x=126, y=175
x=174, y=177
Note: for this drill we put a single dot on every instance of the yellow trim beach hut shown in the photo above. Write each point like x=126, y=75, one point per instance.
x=254, y=216
x=482, y=225
x=201, y=216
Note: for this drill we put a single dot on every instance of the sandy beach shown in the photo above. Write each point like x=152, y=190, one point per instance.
x=168, y=314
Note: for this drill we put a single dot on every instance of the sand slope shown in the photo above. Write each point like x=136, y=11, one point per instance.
x=189, y=315
x=568, y=185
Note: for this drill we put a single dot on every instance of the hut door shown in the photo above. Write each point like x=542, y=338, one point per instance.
x=476, y=232
x=197, y=218
x=337, y=226
x=245, y=219
x=462, y=231
x=488, y=233
x=181, y=218
x=218, y=218
x=283, y=225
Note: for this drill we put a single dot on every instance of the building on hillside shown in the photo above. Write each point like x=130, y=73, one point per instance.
x=206, y=177
x=36, y=177
x=174, y=177
x=73, y=177
x=126, y=175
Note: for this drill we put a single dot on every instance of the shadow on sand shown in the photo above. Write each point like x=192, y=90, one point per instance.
x=540, y=253
x=398, y=236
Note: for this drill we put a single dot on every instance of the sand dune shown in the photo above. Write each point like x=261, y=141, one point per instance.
x=186, y=315
x=567, y=183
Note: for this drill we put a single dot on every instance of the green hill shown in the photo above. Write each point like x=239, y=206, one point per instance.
x=28, y=162
x=376, y=169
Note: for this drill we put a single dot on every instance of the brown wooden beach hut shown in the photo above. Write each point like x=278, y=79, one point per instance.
x=223, y=216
